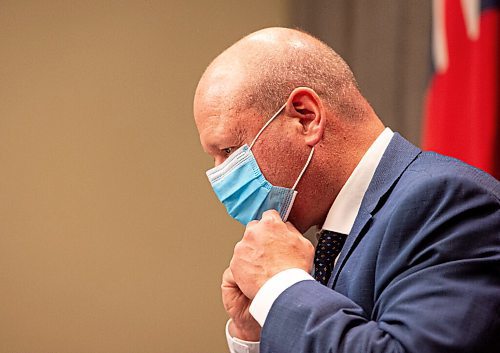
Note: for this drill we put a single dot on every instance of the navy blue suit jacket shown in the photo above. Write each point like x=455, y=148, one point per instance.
x=420, y=270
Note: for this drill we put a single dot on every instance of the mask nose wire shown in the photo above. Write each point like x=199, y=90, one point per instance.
x=267, y=124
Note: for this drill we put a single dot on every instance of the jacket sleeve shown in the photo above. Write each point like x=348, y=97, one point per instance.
x=437, y=283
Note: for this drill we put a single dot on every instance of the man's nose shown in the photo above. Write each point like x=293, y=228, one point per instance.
x=218, y=160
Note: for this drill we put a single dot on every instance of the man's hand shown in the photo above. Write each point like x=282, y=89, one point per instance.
x=268, y=246
x=243, y=325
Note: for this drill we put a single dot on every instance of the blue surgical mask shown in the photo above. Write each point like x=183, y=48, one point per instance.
x=242, y=188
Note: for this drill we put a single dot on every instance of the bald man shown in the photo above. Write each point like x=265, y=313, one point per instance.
x=296, y=145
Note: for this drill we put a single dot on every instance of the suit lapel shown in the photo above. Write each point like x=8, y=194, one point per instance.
x=397, y=157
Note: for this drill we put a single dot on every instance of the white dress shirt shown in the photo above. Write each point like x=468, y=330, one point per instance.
x=340, y=219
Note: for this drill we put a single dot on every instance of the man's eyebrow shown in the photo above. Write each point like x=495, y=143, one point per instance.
x=240, y=136
x=237, y=138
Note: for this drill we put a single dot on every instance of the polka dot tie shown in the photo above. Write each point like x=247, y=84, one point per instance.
x=328, y=248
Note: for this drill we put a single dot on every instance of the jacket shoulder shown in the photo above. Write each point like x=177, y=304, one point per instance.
x=433, y=170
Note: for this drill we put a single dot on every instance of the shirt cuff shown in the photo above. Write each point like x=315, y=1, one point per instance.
x=271, y=290
x=240, y=346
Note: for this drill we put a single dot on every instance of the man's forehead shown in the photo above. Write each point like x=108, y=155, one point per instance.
x=218, y=133
x=217, y=111
x=213, y=101
x=214, y=110
x=221, y=79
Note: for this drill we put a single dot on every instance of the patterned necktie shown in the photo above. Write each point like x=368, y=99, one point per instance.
x=328, y=248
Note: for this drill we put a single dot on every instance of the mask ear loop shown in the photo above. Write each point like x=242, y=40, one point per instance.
x=304, y=169
x=267, y=124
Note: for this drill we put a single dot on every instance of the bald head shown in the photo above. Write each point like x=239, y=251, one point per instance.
x=322, y=108
x=263, y=68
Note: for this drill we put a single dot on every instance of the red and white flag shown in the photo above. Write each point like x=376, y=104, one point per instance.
x=462, y=109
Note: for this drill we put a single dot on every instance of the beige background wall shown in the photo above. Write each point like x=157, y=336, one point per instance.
x=110, y=237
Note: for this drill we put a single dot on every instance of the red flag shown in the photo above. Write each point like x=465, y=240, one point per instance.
x=462, y=109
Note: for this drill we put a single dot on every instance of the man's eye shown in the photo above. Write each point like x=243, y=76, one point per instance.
x=227, y=151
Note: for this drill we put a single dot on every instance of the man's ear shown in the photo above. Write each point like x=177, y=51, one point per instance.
x=305, y=105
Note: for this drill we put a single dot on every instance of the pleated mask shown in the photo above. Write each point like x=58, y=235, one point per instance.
x=240, y=185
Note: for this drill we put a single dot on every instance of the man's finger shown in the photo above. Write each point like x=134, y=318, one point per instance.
x=271, y=216
x=291, y=227
x=227, y=276
x=228, y=279
x=252, y=223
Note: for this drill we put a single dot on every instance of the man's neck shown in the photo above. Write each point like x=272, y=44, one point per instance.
x=341, y=167
x=345, y=208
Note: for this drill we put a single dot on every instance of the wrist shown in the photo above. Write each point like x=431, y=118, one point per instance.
x=272, y=289
x=246, y=331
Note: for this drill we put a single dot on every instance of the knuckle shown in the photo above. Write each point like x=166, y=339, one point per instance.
x=250, y=230
x=252, y=224
x=268, y=221
x=237, y=248
x=270, y=216
x=268, y=212
x=250, y=233
x=232, y=265
x=272, y=212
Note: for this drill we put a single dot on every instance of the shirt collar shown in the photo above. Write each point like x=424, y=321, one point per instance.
x=346, y=206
